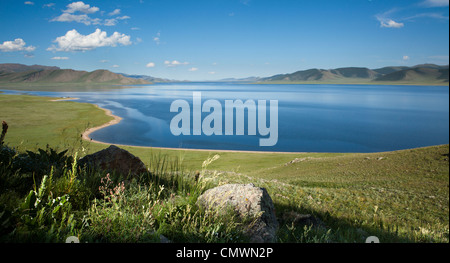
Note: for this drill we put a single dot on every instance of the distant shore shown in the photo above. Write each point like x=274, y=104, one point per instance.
x=64, y=99
x=384, y=83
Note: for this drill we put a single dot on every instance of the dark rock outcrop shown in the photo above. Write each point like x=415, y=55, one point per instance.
x=114, y=159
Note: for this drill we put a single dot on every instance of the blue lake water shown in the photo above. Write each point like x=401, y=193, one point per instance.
x=312, y=118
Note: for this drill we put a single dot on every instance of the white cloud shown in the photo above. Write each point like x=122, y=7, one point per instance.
x=175, y=63
x=72, y=14
x=60, y=58
x=405, y=58
x=436, y=3
x=115, y=66
x=150, y=65
x=427, y=15
x=29, y=3
x=85, y=19
x=113, y=21
x=212, y=72
x=386, y=21
x=110, y=22
x=17, y=45
x=115, y=12
x=193, y=69
x=104, y=61
x=74, y=41
x=157, y=38
x=389, y=23
x=49, y=5
x=80, y=7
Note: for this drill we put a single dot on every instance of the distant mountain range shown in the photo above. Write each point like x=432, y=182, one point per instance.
x=18, y=73
x=147, y=78
x=420, y=74
x=249, y=79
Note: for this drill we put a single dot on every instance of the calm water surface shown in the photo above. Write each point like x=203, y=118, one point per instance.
x=312, y=118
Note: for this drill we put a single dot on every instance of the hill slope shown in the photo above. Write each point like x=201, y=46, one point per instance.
x=17, y=73
x=420, y=74
x=14, y=67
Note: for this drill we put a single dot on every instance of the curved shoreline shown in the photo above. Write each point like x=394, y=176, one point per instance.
x=117, y=119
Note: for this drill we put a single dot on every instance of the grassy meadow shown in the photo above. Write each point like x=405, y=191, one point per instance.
x=400, y=196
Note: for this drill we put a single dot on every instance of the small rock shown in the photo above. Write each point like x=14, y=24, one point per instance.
x=301, y=220
x=163, y=239
x=299, y=160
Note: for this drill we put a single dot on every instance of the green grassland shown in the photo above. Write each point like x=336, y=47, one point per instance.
x=400, y=196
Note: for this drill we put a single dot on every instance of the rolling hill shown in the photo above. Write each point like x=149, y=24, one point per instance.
x=147, y=78
x=420, y=74
x=13, y=67
x=18, y=73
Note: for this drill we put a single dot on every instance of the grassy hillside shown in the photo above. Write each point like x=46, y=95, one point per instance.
x=17, y=74
x=416, y=74
x=35, y=122
x=427, y=74
x=14, y=67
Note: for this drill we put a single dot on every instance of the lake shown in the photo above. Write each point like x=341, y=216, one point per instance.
x=311, y=118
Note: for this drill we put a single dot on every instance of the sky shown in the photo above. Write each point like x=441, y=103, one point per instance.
x=216, y=39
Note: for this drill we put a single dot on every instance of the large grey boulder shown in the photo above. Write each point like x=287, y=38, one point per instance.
x=247, y=201
x=114, y=159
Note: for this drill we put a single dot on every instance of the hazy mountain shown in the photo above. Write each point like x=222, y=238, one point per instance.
x=324, y=75
x=431, y=66
x=13, y=67
x=425, y=73
x=17, y=73
x=249, y=79
x=147, y=78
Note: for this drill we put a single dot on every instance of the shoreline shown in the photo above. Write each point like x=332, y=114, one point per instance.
x=116, y=119
x=64, y=99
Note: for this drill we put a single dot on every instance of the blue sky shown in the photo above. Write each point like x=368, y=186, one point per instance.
x=215, y=39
